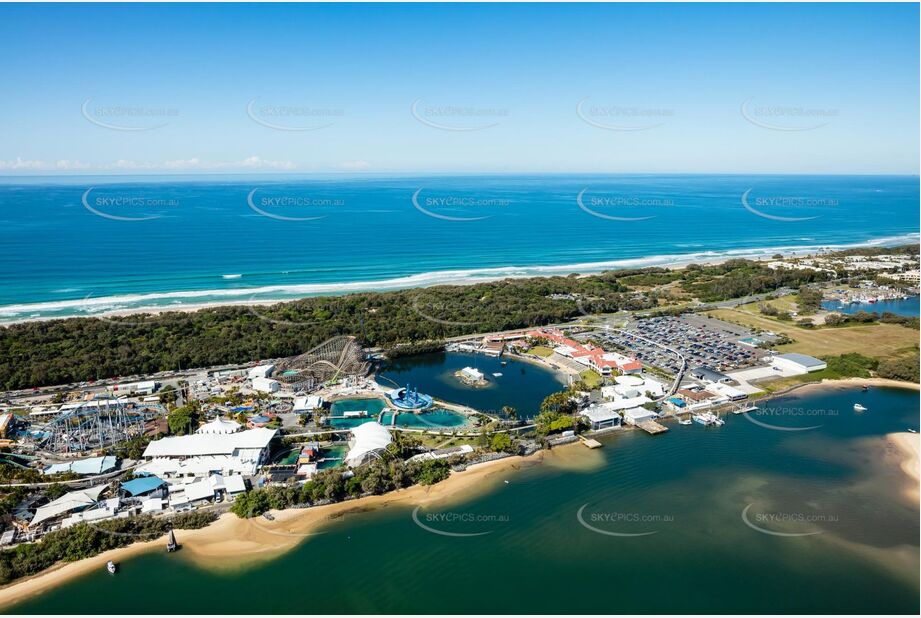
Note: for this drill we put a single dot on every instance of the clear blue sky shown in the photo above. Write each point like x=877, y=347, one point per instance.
x=517, y=72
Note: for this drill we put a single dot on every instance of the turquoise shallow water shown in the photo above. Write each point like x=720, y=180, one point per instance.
x=688, y=487
x=82, y=246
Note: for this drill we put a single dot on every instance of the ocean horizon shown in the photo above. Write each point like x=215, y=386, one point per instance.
x=84, y=246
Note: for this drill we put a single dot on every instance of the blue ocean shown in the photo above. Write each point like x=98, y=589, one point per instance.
x=90, y=245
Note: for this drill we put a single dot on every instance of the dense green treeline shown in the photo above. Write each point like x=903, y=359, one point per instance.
x=78, y=349
x=84, y=540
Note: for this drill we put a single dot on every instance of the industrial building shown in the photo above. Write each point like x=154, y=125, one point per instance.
x=798, y=363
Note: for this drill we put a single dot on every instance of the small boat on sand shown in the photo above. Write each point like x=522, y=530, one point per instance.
x=111, y=567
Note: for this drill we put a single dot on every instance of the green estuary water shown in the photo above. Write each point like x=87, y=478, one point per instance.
x=799, y=508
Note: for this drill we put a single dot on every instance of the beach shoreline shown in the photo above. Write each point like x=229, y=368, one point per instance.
x=841, y=383
x=416, y=281
x=250, y=541
x=907, y=446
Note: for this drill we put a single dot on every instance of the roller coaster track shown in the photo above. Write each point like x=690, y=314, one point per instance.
x=325, y=362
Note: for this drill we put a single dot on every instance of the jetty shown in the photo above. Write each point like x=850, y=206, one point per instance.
x=590, y=442
x=652, y=427
x=743, y=408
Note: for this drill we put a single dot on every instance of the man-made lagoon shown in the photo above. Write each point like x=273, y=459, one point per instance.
x=522, y=385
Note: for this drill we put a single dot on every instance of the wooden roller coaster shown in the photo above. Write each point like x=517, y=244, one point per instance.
x=327, y=362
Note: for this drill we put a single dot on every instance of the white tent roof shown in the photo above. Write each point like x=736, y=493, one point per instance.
x=210, y=444
x=219, y=426
x=367, y=438
x=70, y=501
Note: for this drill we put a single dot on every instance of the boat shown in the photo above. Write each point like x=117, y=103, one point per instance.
x=708, y=418
x=497, y=375
x=859, y=407
x=910, y=430
x=111, y=567
x=865, y=388
x=684, y=421
x=504, y=363
x=171, y=544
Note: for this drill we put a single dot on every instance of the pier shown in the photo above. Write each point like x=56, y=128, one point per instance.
x=742, y=408
x=589, y=442
x=652, y=427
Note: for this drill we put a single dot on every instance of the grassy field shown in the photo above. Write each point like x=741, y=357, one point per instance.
x=591, y=378
x=540, y=350
x=878, y=340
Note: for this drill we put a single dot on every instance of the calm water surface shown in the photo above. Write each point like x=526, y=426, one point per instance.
x=685, y=491
x=901, y=306
x=522, y=385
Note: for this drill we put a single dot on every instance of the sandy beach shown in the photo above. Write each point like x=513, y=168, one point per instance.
x=907, y=446
x=252, y=540
x=843, y=383
x=580, y=270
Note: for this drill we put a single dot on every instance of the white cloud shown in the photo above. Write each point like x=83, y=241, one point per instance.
x=258, y=162
x=22, y=164
x=252, y=162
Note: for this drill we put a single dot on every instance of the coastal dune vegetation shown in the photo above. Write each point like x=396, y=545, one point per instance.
x=80, y=349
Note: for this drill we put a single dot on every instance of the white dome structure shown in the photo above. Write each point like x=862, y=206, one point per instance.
x=367, y=440
x=219, y=426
